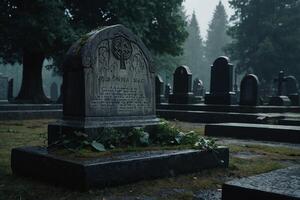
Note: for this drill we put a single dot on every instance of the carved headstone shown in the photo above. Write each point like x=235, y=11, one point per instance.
x=221, y=83
x=249, y=90
x=159, y=89
x=291, y=90
x=108, y=81
x=182, y=83
x=10, y=93
x=168, y=91
x=3, y=89
x=279, y=99
x=53, y=91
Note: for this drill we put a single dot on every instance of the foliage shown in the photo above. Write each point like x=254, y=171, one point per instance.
x=217, y=37
x=266, y=36
x=193, y=55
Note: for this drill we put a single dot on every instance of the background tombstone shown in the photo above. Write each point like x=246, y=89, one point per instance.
x=279, y=99
x=159, y=89
x=249, y=90
x=291, y=90
x=3, y=89
x=10, y=93
x=182, y=83
x=221, y=83
x=198, y=88
x=168, y=91
x=53, y=91
x=60, y=98
x=108, y=81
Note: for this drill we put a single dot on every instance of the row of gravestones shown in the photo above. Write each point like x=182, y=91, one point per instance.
x=221, y=88
x=6, y=90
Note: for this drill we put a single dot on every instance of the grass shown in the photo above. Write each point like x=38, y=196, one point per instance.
x=34, y=132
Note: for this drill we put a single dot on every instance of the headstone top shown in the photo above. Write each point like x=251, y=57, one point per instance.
x=221, y=61
x=183, y=70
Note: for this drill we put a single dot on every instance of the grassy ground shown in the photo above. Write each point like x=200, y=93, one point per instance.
x=34, y=132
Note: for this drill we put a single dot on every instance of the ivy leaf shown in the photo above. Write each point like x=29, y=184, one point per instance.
x=98, y=146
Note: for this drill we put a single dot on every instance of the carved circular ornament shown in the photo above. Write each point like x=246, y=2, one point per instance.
x=121, y=49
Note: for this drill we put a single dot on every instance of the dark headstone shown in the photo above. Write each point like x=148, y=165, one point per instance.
x=108, y=81
x=198, y=88
x=182, y=83
x=10, y=93
x=221, y=83
x=159, y=89
x=3, y=89
x=291, y=90
x=249, y=90
x=53, y=91
x=280, y=99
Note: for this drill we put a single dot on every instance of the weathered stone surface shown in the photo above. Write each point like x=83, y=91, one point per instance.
x=3, y=89
x=119, y=169
x=249, y=90
x=108, y=81
x=265, y=132
x=221, y=83
x=182, y=86
x=283, y=184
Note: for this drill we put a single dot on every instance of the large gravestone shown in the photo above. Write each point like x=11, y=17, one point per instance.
x=108, y=81
x=3, y=89
x=159, y=89
x=291, y=90
x=221, y=83
x=182, y=83
x=249, y=90
x=53, y=91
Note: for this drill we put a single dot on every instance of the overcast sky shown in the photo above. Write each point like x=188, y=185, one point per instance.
x=204, y=11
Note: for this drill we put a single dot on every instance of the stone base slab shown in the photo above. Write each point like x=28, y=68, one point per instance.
x=283, y=184
x=121, y=168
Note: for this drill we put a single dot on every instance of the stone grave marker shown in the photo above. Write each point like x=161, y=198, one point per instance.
x=159, y=89
x=108, y=81
x=198, y=88
x=291, y=90
x=182, y=83
x=10, y=93
x=249, y=90
x=221, y=83
x=168, y=91
x=53, y=91
x=3, y=89
x=280, y=99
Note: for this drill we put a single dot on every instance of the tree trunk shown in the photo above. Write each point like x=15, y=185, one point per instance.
x=32, y=84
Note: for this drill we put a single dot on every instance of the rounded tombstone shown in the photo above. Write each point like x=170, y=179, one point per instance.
x=249, y=90
x=109, y=80
x=182, y=80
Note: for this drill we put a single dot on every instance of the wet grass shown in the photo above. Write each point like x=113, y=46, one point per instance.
x=34, y=132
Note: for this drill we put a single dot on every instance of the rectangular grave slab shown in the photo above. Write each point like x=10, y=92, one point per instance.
x=283, y=184
x=279, y=133
x=121, y=168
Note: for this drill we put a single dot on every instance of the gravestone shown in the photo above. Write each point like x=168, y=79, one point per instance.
x=53, y=91
x=108, y=81
x=3, y=89
x=249, y=90
x=198, y=88
x=168, y=91
x=291, y=90
x=221, y=83
x=182, y=83
x=159, y=89
x=280, y=99
x=10, y=93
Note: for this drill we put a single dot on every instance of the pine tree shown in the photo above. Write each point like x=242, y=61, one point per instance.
x=217, y=37
x=194, y=49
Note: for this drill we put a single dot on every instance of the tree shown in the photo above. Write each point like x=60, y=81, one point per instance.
x=194, y=49
x=217, y=37
x=266, y=36
x=45, y=29
x=33, y=30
